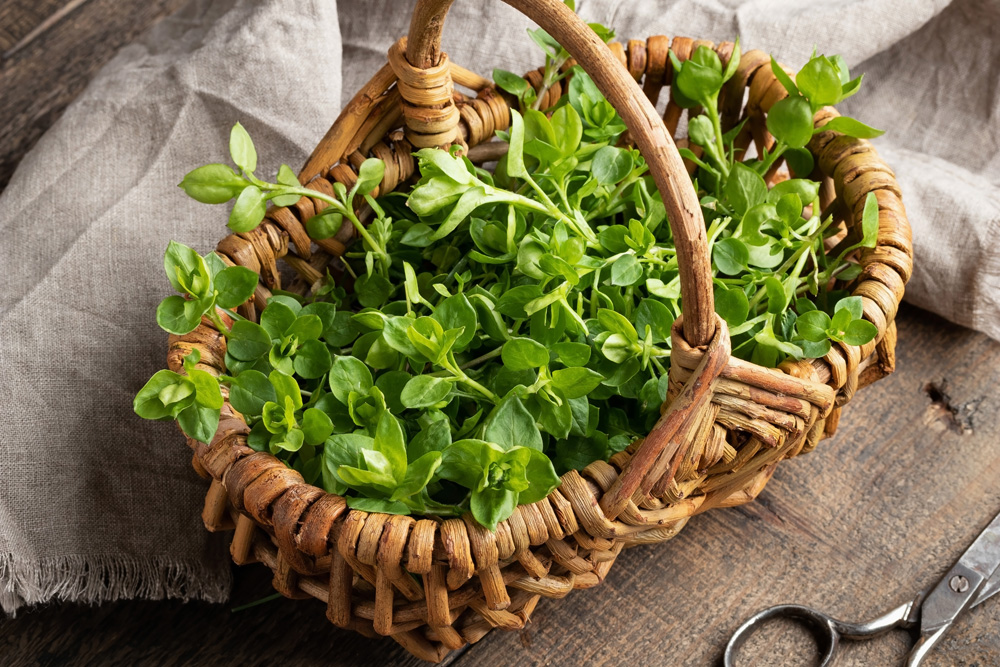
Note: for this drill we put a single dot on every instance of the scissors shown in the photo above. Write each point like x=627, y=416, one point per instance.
x=973, y=579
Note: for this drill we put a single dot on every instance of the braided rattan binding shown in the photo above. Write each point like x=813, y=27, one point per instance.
x=434, y=585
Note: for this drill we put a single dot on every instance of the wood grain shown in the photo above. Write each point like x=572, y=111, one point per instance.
x=39, y=81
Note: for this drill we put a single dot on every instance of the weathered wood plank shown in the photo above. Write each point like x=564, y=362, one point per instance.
x=40, y=80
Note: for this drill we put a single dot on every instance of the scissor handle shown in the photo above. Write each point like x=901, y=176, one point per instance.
x=828, y=630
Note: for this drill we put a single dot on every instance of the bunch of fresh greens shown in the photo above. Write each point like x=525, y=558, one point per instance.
x=505, y=326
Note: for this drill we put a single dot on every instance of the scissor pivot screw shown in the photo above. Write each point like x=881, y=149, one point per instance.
x=959, y=584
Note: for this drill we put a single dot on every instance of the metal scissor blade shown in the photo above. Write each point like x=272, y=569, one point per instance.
x=989, y=589
x=965, y=583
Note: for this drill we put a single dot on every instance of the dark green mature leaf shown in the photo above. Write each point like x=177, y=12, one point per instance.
x=234, y=284
x=249, y=391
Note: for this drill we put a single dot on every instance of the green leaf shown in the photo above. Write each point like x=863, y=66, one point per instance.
x=369, y=176
x=611, y=165
x=576, y=382
x=515, y=152
x=700, y=82
x=626, y=271
x=462, y=462
x=285, y=386
x=349, y=374
x=199, y=422
x=456, y=312
x=572, y=354
x=325, y=224
x=418, y=236
x=777, y=301
x=510, y=82
x=852, y=304
x=800, y=161
x=249, y=210
x=248, y=341
x=164, y=396
x=732, y=305
x=523, y=353
x=568, y=129
x=813, y=349
x=234, y=284
x=378, y=505
x=812, y=325
x=316, y=426
x=657, y=317
x=731, y=256
x=372, y=290
x=424, y=391
x=852, y=128
x=241, y=149
x=783, y=77
x=207, y=391
x=249, y=391
x=418, y=474
x=513, y=301
x=276, y=318
x=390, y=442
x=186, y=270
x=491, y=506
x=287, y=177
x=541, y=476
x=213, y=184
x=176, y=317
x=860, y=332
x=745, y=188
x=305, y=327
x=820, y=82
x=433, y=438
x=511, y=425
x=791, y=121
x=312, y=360
x=869, y=222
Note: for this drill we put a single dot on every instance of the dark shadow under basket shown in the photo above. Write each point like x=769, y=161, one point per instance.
x=434, y=585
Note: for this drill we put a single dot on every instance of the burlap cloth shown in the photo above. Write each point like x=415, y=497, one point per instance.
x=97, y=504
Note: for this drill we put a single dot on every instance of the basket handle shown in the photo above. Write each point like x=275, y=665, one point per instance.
x=423, y=50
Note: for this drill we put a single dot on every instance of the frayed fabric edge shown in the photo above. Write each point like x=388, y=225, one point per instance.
x=103, y=578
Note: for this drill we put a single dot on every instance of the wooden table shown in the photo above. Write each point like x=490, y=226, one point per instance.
x=854, y=528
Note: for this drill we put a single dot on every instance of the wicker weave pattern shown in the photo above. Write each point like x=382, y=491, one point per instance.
x=724, y=428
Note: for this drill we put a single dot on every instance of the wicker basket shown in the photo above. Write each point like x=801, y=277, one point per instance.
x=435, y=585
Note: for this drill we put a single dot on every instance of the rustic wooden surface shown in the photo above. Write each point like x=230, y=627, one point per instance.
x=854, y=528
x=38, y=81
